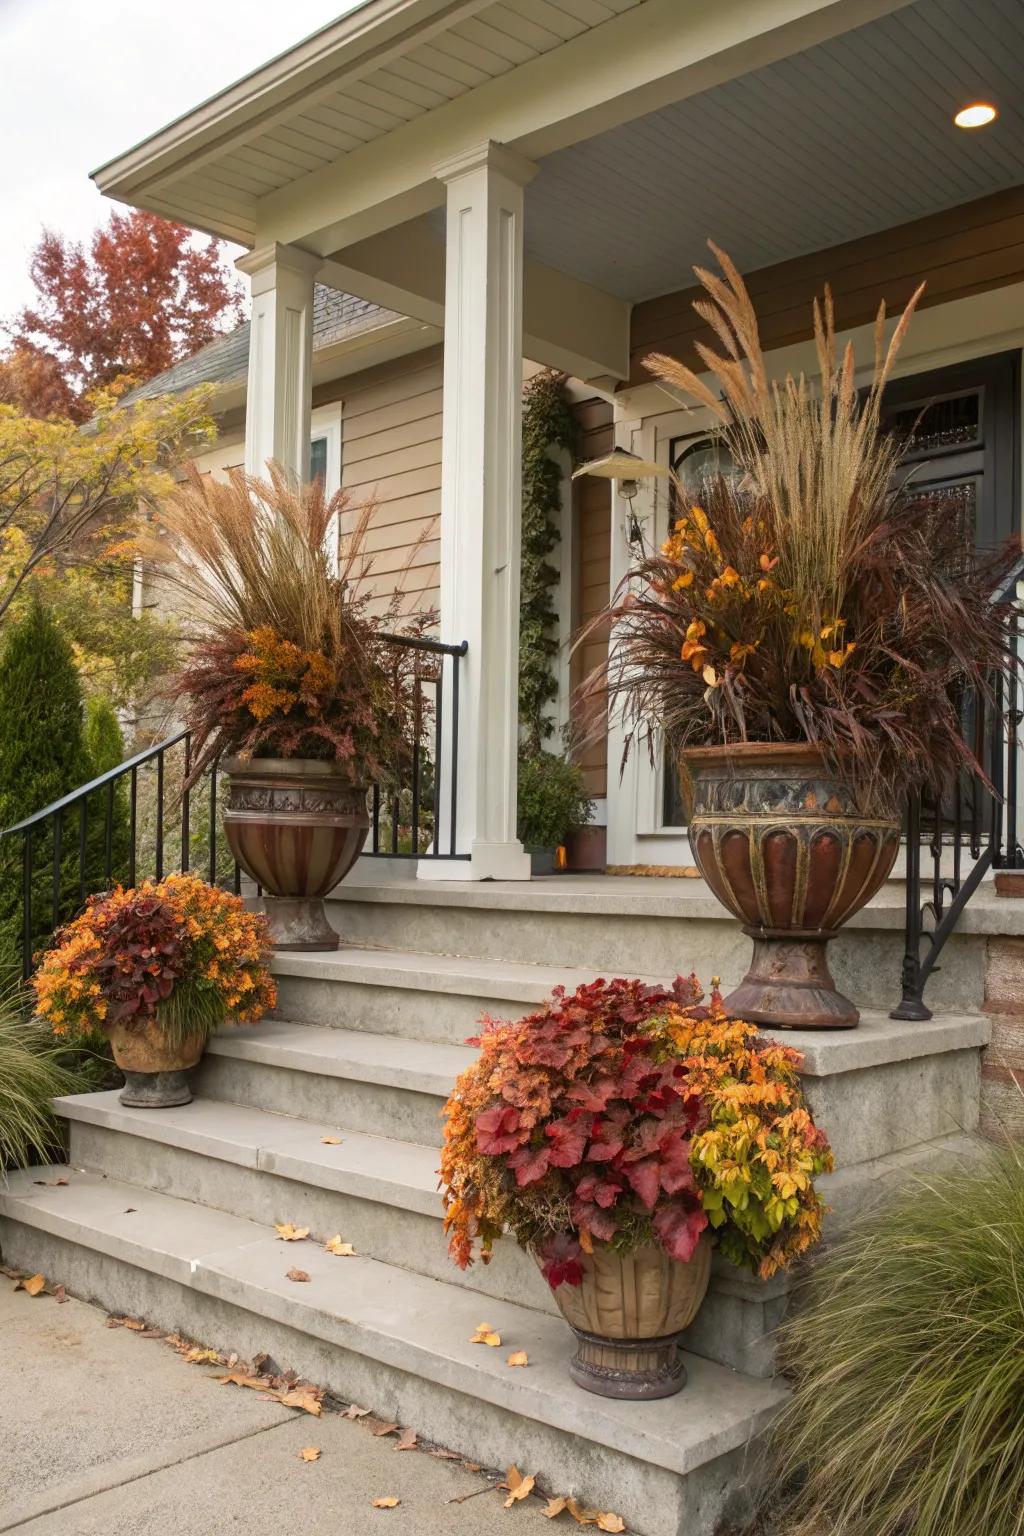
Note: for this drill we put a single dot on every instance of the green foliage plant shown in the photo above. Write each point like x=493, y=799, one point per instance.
x=548, y=426
x=553, y=801
x=907, y=1417
x=31, y=1074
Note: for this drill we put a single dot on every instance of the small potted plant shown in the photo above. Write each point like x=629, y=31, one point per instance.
x=292, y=681
x=552, y=804
x=157, y=969
x=799, y=643
x=619, y=1132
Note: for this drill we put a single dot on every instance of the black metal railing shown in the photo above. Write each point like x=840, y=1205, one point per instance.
x=955, y=839
x=141, y=820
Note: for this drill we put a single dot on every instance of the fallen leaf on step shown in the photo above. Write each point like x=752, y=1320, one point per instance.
x=443, y=1455
x=554, y=1507
x=472, y=1466
x=518, y=1357
x=130, y=1210
x=353, y=1412
x=331, y=1141
x=338, y=1248
x=240, y=1379
x=386, y=1503
x=34, y=1284
x=485, y=1334
x=304, y=1400
x=131, y=1323
x=519, y=1487
x=289, y=1233
x=610, y=1522
x=60, y=1294
x=407, y=1442
x=296, y=1274
x=202, y=1357
x=51, y=1183
x=384, y=1429
x=580, y=1513
x=310, y=1453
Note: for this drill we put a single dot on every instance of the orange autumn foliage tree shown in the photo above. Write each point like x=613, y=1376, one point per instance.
x=143, y=296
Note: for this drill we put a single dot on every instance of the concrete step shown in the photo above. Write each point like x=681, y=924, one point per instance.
x=379, y=1084
x=877, y=1089
x=398, y=1342
x=637, y=925
x=417, y=995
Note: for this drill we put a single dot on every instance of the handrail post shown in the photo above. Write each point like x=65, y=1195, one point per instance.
x=912, y=1005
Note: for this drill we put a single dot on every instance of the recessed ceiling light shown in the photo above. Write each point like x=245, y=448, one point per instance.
x=976, y=115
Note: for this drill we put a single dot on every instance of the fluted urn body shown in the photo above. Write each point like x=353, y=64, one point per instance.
x=789, y=847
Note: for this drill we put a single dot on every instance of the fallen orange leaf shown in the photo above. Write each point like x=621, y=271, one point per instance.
x=352, y=1412
x=485, y=1335
x=33, y=1285
x=240, y=1379
x=554, y=1507
x=518, y=1357
x=202, y=1357
x=304, y=1400
x=407, y=1442
x=289, y=1233
x=519, y=1487
x=610, y=1522
x=331, y=1141
x=386, y=1503
x=338, y=1248
x=310, y=1453
x=296, y=1274
x=385, y=1429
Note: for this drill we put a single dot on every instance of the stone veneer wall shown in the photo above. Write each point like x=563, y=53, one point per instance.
x=1002, y=1062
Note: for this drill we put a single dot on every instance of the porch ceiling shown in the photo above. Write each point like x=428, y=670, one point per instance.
x=843, y=139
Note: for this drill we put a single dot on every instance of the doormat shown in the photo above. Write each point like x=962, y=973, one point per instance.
x=663, y=871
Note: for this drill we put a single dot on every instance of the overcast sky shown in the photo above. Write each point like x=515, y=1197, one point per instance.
x=83, y=80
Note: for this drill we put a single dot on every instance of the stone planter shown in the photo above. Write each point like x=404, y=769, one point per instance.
x=787, y=848
x=627, y=1316
x=296, y=827
x=155, y=1071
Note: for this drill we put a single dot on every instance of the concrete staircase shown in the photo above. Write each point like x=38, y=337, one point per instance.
x=169, y=1214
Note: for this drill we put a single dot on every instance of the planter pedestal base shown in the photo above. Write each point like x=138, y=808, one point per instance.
x=638, y=1370
x=299, y=923
x=155, y=1090
x=789, y=985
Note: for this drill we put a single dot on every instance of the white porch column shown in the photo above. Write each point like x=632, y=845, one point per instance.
x=481, y=496
x=279, y=395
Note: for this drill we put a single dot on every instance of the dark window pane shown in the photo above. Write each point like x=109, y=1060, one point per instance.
x=318, y=459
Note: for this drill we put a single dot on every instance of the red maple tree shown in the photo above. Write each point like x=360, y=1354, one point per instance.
x=143, y=296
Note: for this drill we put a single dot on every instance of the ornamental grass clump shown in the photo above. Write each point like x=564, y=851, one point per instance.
x=181, y=952
x=287, y=656
x=813, y=594
x=624, y=1115
x=907, y=1357
x=32, y=1074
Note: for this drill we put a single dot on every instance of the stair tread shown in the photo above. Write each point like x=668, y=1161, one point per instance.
x=422, y=971
x=394, y=1316
x=423, y=1066
x=398, y=1173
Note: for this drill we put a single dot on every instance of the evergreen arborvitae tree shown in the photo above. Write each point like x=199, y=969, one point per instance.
x=43, y=755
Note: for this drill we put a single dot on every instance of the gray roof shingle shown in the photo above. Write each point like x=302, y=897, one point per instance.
x=336, y=316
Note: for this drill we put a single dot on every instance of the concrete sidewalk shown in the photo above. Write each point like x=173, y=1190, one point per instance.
x=104, y=1431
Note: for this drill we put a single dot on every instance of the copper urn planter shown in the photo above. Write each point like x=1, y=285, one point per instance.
x=627, y=1315
x=787, y=847
x=296, y=826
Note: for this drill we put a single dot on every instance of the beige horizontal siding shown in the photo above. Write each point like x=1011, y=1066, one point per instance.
x=391, y=456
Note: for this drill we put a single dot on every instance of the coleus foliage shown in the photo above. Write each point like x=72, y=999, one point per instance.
x=624, y=1114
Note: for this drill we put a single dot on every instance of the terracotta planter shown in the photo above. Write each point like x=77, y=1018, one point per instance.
x=787, y=848
x=296, y=827
x=155, y=1072
x=627, y=1316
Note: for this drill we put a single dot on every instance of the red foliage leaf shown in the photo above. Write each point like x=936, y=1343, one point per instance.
x=568, y=1140
x=498, y=1130
x=679, y=1227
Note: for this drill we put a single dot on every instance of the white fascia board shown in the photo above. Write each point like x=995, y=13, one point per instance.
x=363, y=39
x=659, y=52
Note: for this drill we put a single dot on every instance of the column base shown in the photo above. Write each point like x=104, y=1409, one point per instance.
x=487, y=861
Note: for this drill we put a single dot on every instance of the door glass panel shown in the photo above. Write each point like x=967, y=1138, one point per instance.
x=318, y=460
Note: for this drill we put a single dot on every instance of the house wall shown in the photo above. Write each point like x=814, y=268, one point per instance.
x=967, y=250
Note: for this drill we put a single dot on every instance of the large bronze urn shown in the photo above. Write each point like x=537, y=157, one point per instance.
x=296, y=826
x=787, y=846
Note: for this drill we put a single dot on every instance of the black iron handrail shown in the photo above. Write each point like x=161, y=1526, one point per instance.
x=390, y=828
x=965, y=842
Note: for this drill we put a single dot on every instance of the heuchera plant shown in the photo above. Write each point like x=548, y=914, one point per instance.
x=181, y=951
x=624, y=1115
